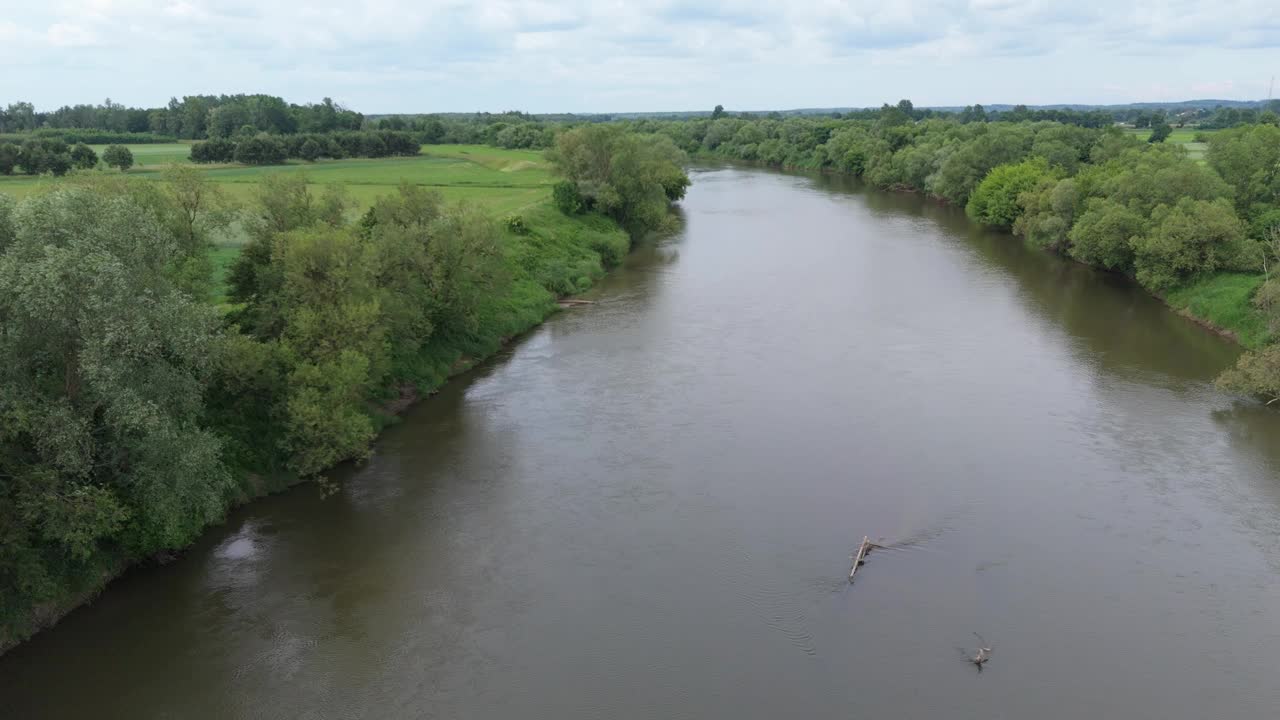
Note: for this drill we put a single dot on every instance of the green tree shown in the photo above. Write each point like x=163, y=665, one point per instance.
x=9, y=158
x=1049, y=209
x=1255, y=373
x=1190, y=238
x=83, y=157
x=1160, y=132
x=1105, y=234
x=996, y=200
x=1248, y=158
x=284, y=202
x=103, y=364
x=717, y=113
x=118, y=156
x=629, y=177
x=310, y=150
x=260, y=150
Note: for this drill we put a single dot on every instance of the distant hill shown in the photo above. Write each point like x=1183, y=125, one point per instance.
x=680, y=114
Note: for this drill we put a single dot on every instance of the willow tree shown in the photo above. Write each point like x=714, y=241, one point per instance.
x=103, y=366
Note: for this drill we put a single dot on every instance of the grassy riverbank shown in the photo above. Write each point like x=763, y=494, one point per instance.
x=542, y=254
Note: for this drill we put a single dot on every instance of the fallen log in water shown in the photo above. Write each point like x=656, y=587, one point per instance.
x=860, y=556
x=572, y=302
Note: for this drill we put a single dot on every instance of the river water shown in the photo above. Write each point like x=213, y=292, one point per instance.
x=646, y=508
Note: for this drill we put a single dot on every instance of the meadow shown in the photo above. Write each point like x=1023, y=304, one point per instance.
x=506, y=182
x=1184, y=136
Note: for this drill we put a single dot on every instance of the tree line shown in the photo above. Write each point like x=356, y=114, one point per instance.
x=263, y=149
x=1098, y=195
x=37, y=156
x=193, y=117
x=134, y=409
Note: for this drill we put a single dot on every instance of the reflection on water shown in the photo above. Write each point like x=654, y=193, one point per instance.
x=646, y=507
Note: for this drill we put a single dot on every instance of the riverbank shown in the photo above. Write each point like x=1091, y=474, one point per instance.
x=1221, y=302
x=631, y=509
x=549, y=256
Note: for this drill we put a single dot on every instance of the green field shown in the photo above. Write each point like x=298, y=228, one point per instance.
x=505, y=181
x=1185, y=136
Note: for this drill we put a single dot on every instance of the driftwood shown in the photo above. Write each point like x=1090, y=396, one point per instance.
x=860, y=556
x=574, y=302
x=983, y=654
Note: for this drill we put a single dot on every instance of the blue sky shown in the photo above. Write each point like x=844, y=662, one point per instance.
x=612, y=55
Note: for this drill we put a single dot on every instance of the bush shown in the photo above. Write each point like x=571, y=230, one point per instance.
x=516, y=224
x=995, y=200
x=1193, y=237
x=260, y=150
x=83, y=157
x=118, y=156
x=567, y=198
x=218, y=150
x=310, y=150
x=37, y=156
x=8, y=158
x=1104, y=235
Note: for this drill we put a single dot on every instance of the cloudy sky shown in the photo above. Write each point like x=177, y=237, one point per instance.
x=613, y=55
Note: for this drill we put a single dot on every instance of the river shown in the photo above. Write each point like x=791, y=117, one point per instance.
x=645, y=509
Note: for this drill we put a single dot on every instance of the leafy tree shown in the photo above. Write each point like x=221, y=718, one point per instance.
x=310, y=150
x=996, y=200
x=963, y=169
x=1105, y=233
x=194, y=209
x=717, y=113
x=1248, y=158
x=9, y=158
x=626, y=176
x=1160, y=132
x=260, y=150
x=1049, y=209
x=83, y=157
x=103, y=364
x=1192, y=237
x=1255, y=373
x=284, y=203
x=1159, y=175
x=42, y=155
x=567, y=198
x=213, y=151
x=118, y=156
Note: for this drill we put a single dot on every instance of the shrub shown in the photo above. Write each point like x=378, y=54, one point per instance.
x=83, y=157
x=218, y=150
x=118, y=156
x=567, y=198
x=260, y=150
x=996, y=199
x=516, y=224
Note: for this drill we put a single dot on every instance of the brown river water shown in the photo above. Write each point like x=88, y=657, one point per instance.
x=645, y=508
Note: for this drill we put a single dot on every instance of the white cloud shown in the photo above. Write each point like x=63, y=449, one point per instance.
x=67, y=35
x=543, y=55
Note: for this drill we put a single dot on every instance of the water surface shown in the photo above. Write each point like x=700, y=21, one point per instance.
x=646, y=508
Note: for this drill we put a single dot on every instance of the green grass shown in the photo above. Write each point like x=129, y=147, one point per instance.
x=1225, y=301
x=154, y=157
x=504, y=180
x=1185, y=136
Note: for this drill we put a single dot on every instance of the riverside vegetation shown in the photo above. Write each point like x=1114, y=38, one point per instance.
x=150, y=379
x=1204, y=236
x=148, y=383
